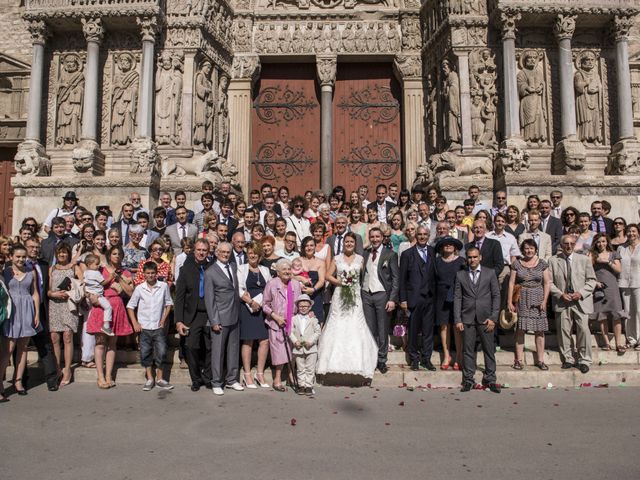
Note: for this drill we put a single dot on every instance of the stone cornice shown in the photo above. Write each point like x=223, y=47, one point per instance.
x=569, y=7
x=40, y=9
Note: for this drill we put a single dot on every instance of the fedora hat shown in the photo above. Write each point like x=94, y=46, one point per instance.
x=448, y=240
x=508, y=319
x=304, y=298
x=70, y=195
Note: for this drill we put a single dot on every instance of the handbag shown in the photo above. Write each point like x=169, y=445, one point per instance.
x=517, y=291
x=65, y=284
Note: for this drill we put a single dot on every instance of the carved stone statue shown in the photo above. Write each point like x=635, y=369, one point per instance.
x=451, y=95
x=168, y=89
x=335, y=38
x=308, y=38
x=393, y=37
x=361, y=42
x=70, y=98
x=260, y=39
x=381, y=37
x=349, y=38
x=530, y=82
x=124, y=101
x=370, y=36
x=477, y=125
x=489, y=119
x=222, y=116
x=285, y=39
x=297, y=42
x=588, y=87
x=203, y=108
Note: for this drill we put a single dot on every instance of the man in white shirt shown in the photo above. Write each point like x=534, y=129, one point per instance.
x=556, y=202
x=394, y=192
x=153, y=302
x=500, y=203
x=289, y=251
x=238, y=255
x=474, y=194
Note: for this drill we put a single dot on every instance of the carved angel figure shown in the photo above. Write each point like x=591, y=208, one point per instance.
x=70, y=98
x=588, y=87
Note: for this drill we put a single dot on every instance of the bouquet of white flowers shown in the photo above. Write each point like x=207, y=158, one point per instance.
x=349, y=290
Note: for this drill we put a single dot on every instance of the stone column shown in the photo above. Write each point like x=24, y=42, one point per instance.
x=409, y=71
x=144, y=151
x=625, y=153
x=87, y=157
x=246, y=69
x=465, y=100
x=326, y=66
x=31, y=158
x=569, y=151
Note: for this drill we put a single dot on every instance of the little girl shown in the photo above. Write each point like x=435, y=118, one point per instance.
x=298, y=273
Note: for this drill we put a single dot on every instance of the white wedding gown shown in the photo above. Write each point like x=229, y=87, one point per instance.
x=346, y=345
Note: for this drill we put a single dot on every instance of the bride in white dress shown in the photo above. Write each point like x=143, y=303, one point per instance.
x=346, y=345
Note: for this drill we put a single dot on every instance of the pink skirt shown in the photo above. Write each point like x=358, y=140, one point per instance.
x=119, y=321
x=278, y=347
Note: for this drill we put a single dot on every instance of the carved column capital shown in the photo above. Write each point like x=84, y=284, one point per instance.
x=408, y=66
x=245, y=67
x=564, y=26
x=39, y=31
x=326, y=67
x=508, y=22
x=93, y=29
x=621, y=26
x=149, y=28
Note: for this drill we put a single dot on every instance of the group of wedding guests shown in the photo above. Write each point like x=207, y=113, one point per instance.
x=314, y=282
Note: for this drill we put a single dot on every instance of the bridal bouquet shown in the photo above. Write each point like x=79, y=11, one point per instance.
x=349, y=290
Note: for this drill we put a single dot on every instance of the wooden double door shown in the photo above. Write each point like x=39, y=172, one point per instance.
x=286, y=131
x=7, y=170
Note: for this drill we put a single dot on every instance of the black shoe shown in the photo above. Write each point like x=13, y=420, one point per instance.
x=493, y=387
x=466, y=387
x=207, y=385
x=52, y=388
x=383, y=368
x=414, y=366
x=583, y=368
x=428, y=366
x=566, y=365
x=195, y=386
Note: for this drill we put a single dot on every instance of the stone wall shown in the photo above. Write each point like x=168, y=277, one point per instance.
x=16, y=41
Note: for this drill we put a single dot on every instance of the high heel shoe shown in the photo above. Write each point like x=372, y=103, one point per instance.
x=445, y=364
x=22, y=392
x=456, y=366
x=251, y=386
x=261, y=384
x=103, y=385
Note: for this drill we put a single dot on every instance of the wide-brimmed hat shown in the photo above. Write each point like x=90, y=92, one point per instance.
x=508, y=319
x=448, y=240
x=70, y=195
x=304, y=298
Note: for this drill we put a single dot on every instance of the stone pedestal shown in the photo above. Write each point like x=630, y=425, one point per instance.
x=32, y=160
x=87, y=158
x=569, y=156
x=144, y=157
x=240, y=124
x=625, y=158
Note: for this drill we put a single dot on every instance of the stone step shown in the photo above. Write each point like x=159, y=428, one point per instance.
x=612, y=375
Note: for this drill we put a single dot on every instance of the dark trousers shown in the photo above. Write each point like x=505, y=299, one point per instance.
x=377, y=320
x=42, y=341
x=197, y=349
x=472, y=333
x=421, y=321
x=153, y=347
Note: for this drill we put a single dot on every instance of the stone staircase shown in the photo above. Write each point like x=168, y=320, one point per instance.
x=608, y=369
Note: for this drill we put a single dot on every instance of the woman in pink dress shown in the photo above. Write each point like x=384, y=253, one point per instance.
x=279, y=299
x=120, y=284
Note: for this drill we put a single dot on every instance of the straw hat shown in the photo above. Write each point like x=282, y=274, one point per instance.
x=507, y=319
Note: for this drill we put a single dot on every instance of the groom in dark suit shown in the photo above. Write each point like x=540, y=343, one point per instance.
x=223, y=307
x=476, y=304
x=380, y=288
x=418, y=296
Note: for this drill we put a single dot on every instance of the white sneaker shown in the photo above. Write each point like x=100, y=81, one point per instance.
x=218, y=391
x=236, y=386
x=148, y=385
x=164, y=385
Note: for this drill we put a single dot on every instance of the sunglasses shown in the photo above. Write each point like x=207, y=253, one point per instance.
x=501, y=198
x=618, y=223
x=297, y=206
x=157, y=250
x=30, y=225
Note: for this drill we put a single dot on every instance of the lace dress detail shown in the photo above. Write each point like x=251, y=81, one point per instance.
x=346, y=345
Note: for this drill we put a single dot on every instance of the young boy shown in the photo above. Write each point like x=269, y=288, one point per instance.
x=154, y=303
x=94, y=284
x=305, y=332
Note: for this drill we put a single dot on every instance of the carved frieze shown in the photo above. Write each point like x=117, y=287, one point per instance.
x=245, y=67
x=484, y=98
x=408, y=66
x=411, y=37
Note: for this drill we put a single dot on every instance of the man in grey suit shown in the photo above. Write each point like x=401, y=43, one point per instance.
x=476, y=304
x=181, y=229
x=223, y=304
x=380, y=287
x=336, y=241
x=572, y=283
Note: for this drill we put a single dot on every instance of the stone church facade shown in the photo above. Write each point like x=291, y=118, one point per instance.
x=153, y=95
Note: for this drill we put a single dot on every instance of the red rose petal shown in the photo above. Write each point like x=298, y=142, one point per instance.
x=401, y=404
x=387, y=423
x=293, y=422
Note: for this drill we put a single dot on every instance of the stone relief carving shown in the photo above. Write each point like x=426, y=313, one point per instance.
x=531, y=90
x=245, y=66
x=411, y=37
x=408, y=65
x=451, y=105
x=124, y=101
x=516, y=160
x=332, y=37
x=564, y=26
x=449, y=164
x=484, y=97
x=32, y=161
x=38, y=30
x=210, y=166
x=621, y=26
x=242, y=36
x=589, y=98
x=70, y=95
x=222, y=116
x=92, y=29
x=144, y=156
x=431, y=112
x=326, y=70
x=203, y=106
x=168, y=88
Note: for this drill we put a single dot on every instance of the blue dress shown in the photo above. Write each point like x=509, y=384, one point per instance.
x=252, y=326
x=318, y=302
x=20, y=324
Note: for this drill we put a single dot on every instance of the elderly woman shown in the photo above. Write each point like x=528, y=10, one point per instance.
x=119, y=283
x=629, y=284
x=324, y=218
x=157, y=249
x=252, y=279
x=279, y=301
x=133, y=251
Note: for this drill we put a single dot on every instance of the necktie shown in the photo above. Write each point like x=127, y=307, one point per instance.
x=201, y=283
x=423, y=254
x=229, y=273
x=569, y=282
x=479, y=245
x=183, y=232
x=339, y=246
x=475, y=276
x=374, y=255
x=240, y=259
x=126, y=233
